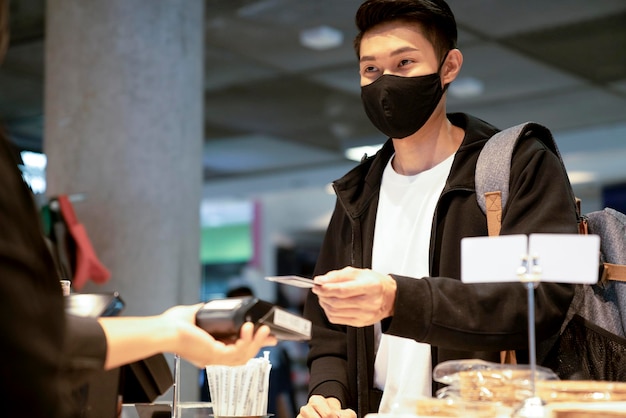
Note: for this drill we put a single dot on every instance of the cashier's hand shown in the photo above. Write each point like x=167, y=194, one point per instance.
x=320, y=407
x=356, y=297
x=200, y=348
x=130, y=339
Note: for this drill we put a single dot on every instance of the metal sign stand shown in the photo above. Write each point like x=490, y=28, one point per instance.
x=176, y=397
x=530, y=275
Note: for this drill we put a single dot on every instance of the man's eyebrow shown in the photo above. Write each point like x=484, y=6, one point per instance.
x=393, y=53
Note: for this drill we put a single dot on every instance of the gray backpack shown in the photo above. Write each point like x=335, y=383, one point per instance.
x=592, y=342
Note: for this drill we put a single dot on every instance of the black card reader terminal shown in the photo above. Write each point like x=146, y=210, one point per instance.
x=223, y=318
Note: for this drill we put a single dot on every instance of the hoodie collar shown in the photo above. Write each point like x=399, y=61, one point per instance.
x=359, y=186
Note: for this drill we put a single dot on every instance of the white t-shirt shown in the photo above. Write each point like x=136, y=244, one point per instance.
x=403, y=367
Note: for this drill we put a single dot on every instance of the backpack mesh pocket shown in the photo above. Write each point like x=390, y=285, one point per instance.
x=586, y=351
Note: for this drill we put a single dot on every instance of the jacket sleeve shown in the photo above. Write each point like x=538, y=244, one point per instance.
x=447, y=313
x=85, y=348
x=327, y=357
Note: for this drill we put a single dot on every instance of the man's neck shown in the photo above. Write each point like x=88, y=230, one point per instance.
x=432, y=144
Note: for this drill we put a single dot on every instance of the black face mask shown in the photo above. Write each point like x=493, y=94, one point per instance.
x=400, y=106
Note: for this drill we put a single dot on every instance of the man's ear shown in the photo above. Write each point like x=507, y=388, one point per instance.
x=452, y=66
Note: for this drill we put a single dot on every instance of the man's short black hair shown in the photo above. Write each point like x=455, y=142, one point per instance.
x=434, y=16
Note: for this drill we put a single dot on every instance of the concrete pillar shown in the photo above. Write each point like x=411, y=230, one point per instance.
x=124, y=126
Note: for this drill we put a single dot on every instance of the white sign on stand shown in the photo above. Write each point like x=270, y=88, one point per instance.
x=563, y=258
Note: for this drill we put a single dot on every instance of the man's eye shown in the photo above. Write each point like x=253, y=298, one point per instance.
x=369, y=69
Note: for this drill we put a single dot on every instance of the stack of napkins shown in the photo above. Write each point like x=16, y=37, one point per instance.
x=240, y=390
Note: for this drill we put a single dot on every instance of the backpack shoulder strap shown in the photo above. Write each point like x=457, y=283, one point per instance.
x=612, y=271
x=493, y=169
x=610, y=225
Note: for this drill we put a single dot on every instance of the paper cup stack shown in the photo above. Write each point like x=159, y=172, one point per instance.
x=238, y=391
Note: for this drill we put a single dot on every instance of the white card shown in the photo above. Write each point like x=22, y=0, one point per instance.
x=292, y=281
x=292, y=322
x=563, y=258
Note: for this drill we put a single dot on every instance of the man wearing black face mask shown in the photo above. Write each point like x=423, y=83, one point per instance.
x=390, y=304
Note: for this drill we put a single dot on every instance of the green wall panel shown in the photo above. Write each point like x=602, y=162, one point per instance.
x=226, y=244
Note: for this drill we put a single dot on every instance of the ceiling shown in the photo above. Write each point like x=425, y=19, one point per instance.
x=277, y=108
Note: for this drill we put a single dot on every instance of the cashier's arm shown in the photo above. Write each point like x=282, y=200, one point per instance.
x=320, y=407
x=131, y=339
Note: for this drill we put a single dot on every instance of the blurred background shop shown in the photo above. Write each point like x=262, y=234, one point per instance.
x=199, y=137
